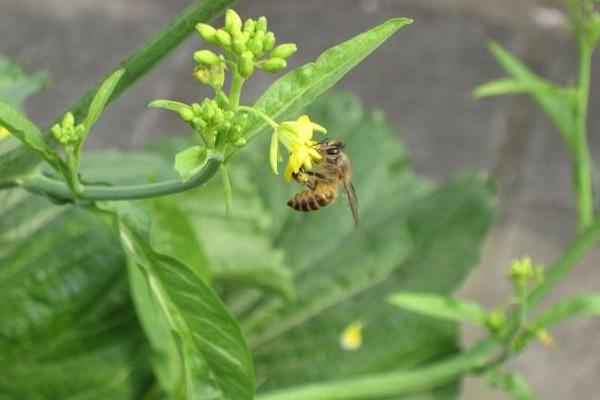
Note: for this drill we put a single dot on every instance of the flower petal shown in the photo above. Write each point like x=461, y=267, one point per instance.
x=274, y=151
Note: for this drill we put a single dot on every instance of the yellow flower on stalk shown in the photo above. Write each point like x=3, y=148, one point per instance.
x=351, y=338
x=297, y=137
x=4, y=133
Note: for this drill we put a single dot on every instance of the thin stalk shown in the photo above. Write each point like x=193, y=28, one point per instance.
x=583, y=160
x=59, y=190
x=400, y=383
x=235, y=92
x=391, y=384
x=261, y=114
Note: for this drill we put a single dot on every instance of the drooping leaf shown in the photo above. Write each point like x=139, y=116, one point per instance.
x=441, y=307
x=513, y=384
x=413, y=237
x=216, y=361
x=68, y=327
x=300, y=87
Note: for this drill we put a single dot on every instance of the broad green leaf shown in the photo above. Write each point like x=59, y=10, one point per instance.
x=101, y=98
x=216, y=361
x=172, y=233
x=558, y=103
x=148, y=55
x=69, y=330
x=16, y=85
x=300, y=87
x=190, y=161
x=413, y=237
x=441, y=307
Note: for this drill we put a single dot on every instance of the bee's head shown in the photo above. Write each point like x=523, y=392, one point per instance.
x=332, y=147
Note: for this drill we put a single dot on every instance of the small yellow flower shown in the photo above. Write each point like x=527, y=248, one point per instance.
x=296, y=136
x=351, y=338
x=4, y=133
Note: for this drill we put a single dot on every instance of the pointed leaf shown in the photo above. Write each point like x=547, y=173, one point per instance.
x=441, y=307
x=300, y=87
x=216, y=361
x=101, y=98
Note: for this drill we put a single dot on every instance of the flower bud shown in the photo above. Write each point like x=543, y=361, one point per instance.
x=274, y=64
x=238, y=46
x=223, y=38
x=240, y=142
x=249, y=26
x=246, y=64
x=256, y=45
x=261, y=25
x=68, y=120
x=206, y=57
x=269, y=41
x=233, y=22
x=186, y=114
x=284, y=50
x=196, y=109
x=207, y=32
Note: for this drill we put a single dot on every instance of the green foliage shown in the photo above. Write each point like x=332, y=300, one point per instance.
x=190, y=161
x=16, y=85
x=300, y=87
x=216, y=361
x=513, y=384
x=440, y=307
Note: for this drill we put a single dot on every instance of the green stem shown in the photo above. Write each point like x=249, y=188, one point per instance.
x=227, y=195
x=235, y=92
x=57, y=189
x=391, y=384
x=400, y=383
x=583, y=161
x=261, y=114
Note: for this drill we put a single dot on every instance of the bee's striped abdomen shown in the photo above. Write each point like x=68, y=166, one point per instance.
x=311, y=200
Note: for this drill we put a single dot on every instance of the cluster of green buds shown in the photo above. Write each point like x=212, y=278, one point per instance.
x=253, y=45
x=525, y=275
x=67, y=133
x=214, y=122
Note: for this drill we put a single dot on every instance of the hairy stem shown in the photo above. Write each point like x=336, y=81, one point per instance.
x=59, y=190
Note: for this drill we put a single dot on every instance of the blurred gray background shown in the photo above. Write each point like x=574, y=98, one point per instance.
x=422, y=78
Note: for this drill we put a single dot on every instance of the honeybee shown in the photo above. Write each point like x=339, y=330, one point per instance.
x=332, y=170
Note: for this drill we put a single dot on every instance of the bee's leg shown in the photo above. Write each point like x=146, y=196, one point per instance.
x=317, y=174
x=305, y=178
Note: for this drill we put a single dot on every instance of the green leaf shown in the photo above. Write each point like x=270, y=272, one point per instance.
x=69, y=330
x=513, y=384
x=169, y=105
x=16, y=85
x=216, y=361
x=558, y=103
x=172, y=233
x=441, y=307
x=27, y=132
x=579, y=306
x=298, y=88
x=21, y=159
x=101, y=98
x=414, y=237
x=190, y=161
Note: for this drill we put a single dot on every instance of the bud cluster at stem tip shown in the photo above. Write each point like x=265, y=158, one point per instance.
x=67, y=132
x=250, y=42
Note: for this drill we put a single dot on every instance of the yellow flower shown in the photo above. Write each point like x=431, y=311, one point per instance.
x=4, y=133
x=296, y=136
x=351, y=338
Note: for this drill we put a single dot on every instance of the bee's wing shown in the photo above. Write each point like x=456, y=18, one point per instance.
x=351, y=193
